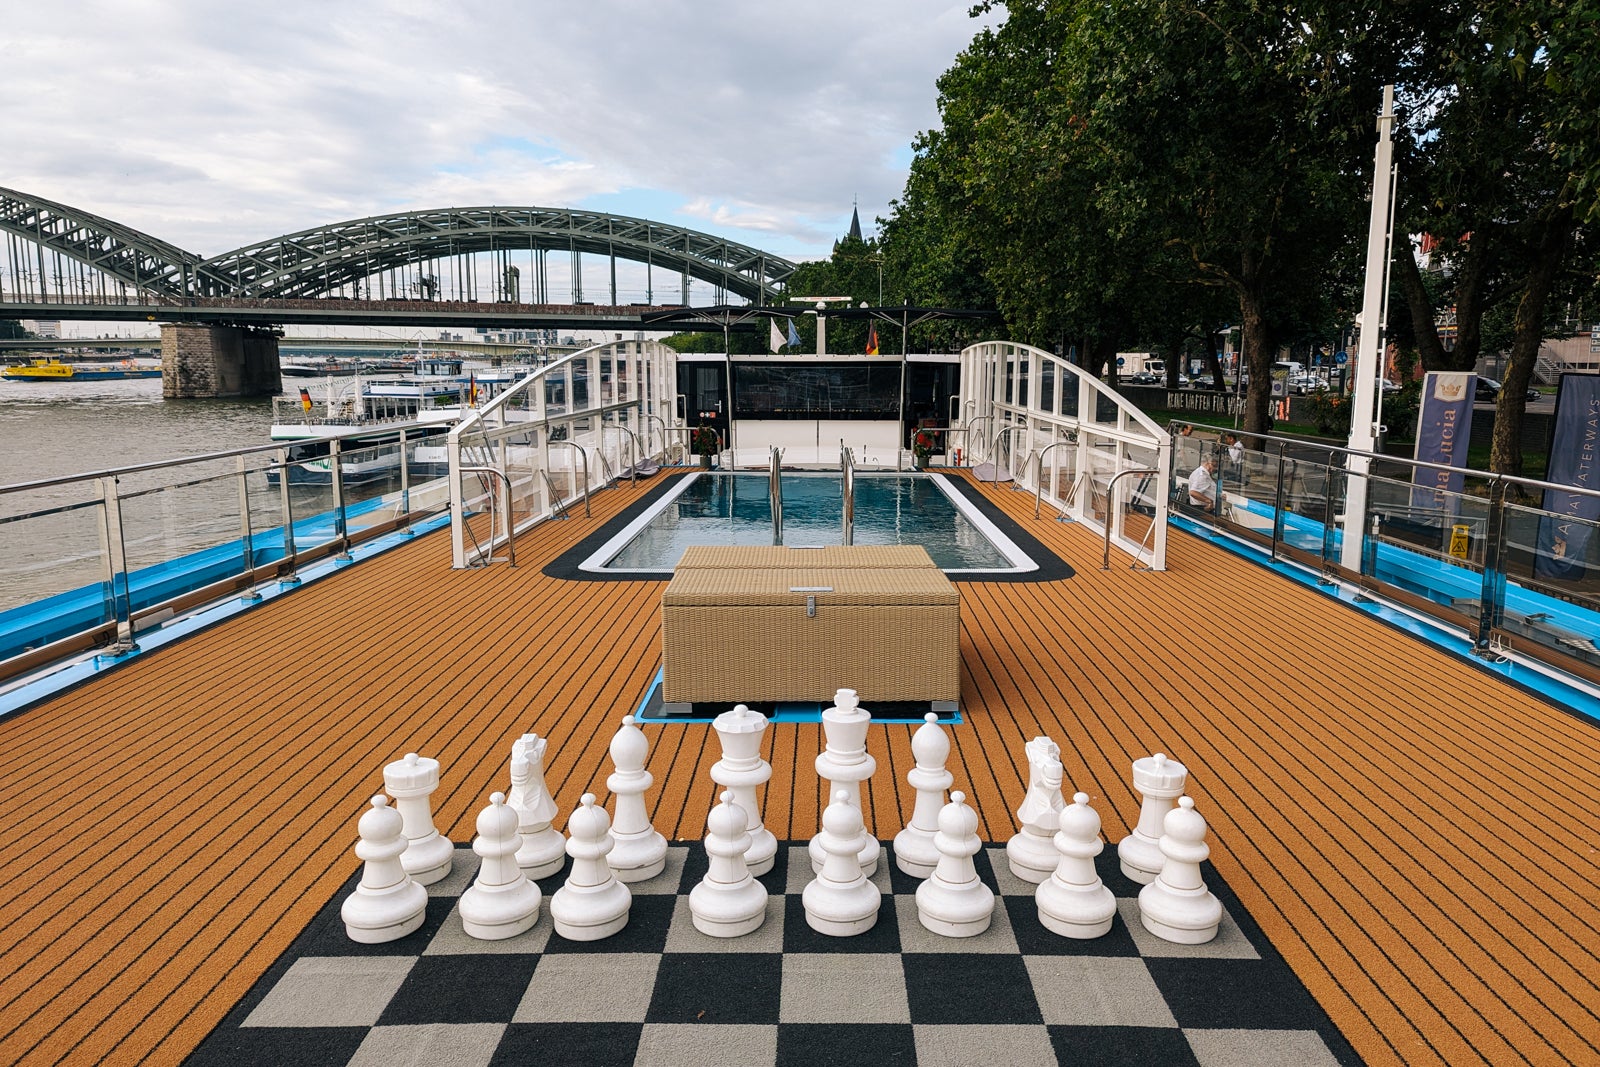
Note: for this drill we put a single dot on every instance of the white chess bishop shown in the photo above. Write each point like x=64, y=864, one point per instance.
x=1160, y=781
x=640, y=852
x=1031, y=852
x=500, y=902
x=845, y=763
x=412, y=781
x=1177, y=906
x=740, y=770
x=1073, y=902
x=541, y=850
x=954, y=901
x=840, y=901
x=592, y=904
x=728, y=902
x=388, y=904
x=914, y=850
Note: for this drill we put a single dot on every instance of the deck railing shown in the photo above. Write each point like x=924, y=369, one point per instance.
x=619, y=385
x=1019, y=403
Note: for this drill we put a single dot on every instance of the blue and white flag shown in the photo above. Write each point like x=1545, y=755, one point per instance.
x=1563, y=540
x=794, y=334
x=1444, y=426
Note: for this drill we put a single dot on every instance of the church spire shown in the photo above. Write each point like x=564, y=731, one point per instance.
x=855, y=220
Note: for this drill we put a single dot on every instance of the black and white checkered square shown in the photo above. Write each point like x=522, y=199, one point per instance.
x=661, y=993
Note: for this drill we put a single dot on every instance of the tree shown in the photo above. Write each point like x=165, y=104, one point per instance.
x=11, y=330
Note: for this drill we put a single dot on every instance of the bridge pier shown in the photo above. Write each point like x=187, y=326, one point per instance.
x=212, y=360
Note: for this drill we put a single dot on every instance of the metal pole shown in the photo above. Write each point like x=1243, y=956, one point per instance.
x=902, y=370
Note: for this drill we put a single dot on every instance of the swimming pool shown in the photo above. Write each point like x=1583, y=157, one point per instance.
x=734, y=509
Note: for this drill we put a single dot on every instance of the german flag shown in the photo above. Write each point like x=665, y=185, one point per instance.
x=872, y=340
x=305, y=400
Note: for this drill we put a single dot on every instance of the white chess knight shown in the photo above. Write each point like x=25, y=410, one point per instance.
x=500, y=902
x=954, y=901
x=412, y=781
x=542, y=849
x=640, y=852
x=1177, y=906
x=592, y=904
x=740, y=770
x=1073, y=902
x=1031, y=852
x=840, y=901
x=914, y=850
x=388, y=904
x=1160, y=781
x=845, y=763
x=727, y=902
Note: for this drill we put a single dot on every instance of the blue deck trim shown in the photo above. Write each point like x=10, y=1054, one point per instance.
x=786, y=711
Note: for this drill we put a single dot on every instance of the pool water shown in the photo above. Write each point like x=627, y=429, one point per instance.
x=734, y=509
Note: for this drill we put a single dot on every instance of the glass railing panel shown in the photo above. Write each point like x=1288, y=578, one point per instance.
x=1416, y=532
x=1047, y=387
x=1069, y=395
x=1552, y=567
x=182, y=529
x=1308, y=489
x=52, y=583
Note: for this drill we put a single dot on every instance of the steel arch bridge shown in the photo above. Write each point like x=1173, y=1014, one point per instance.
x=328, y=259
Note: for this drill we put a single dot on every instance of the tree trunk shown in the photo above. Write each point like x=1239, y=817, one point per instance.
x=1214, y=361
x=1505, y=454
x=1471, y=276
x=1260, y=350
x=1420, y=305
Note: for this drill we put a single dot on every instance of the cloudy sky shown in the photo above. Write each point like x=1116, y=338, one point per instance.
x=212, y=125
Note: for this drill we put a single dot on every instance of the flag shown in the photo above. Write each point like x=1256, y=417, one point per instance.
x=1562, y=548
x=872, y=340
x=777, y=336
x=472, y=390
x=794, y=334
x=305, y=400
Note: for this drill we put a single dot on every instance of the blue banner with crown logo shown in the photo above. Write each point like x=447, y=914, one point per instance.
x=1564, y=534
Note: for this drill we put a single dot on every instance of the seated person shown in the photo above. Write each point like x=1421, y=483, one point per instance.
x=1203, y=486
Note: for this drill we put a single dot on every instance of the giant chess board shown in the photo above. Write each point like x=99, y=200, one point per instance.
x=662, y=993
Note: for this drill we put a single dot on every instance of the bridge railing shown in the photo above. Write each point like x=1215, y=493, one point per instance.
x=615, y=402
x=1048, y=427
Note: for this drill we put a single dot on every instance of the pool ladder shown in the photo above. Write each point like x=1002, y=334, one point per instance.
x=847, y=467
x=775, y=494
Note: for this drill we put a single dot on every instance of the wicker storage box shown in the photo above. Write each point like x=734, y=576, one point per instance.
x=742, y=633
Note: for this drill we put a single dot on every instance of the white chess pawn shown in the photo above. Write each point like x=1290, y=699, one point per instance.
x=411, y=781
x=1073, y=902
x=1161, y=781
x=953, y=901
x=727, y=902
x=741, y=769
x=542, y=849
x=592, y=904
x=388, y=904
x=1177, y=906
x=501, y=902
x=1031, y=852
x=845, y=763
x=840, y=901
x=914, y=850
x=640, y=852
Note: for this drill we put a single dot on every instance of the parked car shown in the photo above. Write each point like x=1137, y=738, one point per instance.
x=1306, y=382
x=1387, y=386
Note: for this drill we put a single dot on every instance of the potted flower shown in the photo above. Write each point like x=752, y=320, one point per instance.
x=704, y=443
x=922, y=446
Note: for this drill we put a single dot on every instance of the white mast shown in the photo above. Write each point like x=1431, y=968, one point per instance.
x=1369, y=350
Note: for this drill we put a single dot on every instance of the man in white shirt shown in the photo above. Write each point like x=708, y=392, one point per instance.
x=1202, y=486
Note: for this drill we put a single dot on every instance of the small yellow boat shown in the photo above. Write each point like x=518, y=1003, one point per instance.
x=51, y=369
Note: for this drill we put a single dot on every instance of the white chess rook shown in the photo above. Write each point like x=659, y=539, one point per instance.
x=1031, y=852
x=840, y=901
x=542, y=850
x=500, y=902
x=845, y=763
x=727, y=902
x=740, y=770
x=1073, y=902
x=640, y=852
x=411, y=781
x=592, y=904
x=954, y=901
x=1160, y=781
x=388, y=904
x=1177, y=906
x=914, y=850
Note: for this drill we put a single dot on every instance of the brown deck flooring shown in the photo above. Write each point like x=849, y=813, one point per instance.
x=1415, y=837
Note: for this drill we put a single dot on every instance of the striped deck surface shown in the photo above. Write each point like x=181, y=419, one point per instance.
x=1416, y=837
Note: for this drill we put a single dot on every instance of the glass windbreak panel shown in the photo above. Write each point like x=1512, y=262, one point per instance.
x=1105, y=408
x=1047, y=386
x=580, y=385
x=181, y=530
x=1552, y=566
x=52, y=585
x=1069, y=394
x=1022, y=381
x=265, y=498
x=558, y=392
x=1307, y=501
x=1418, y=534
x=817, y=390
x=1011, y=380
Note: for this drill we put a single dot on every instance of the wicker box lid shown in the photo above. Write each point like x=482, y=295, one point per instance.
x=831, y=586
x=775, y=556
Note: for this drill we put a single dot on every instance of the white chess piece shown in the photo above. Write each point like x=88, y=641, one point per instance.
x=1031, y=852
x=840, y=901
x=741, y=769
x=953, y=901
x=1073, y=902
x=501, y=902
x=592, y=904
x=1160, y=781
x=727, y=902
x=845, y=763
x=543, y=849
x=914, y=850
x=387, y=905
x=1177, y=906
x=411, y=781
x=640, y=852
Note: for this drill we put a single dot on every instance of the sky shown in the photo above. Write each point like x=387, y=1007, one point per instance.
x=214, y=125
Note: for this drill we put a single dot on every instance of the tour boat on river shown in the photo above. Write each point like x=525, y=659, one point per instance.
x=51, y=369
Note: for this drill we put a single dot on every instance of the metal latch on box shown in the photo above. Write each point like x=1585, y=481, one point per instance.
x=811, y=601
